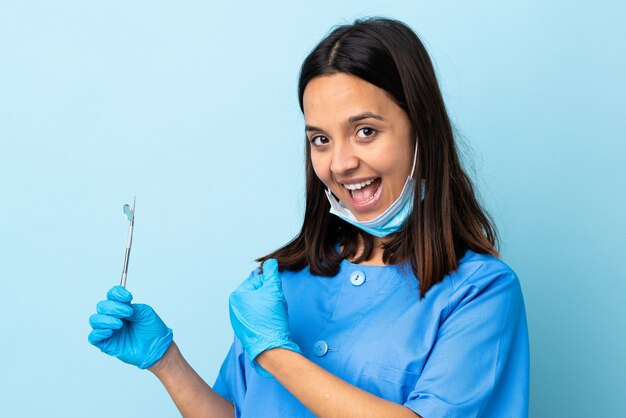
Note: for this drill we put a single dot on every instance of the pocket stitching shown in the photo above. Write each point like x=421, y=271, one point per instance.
x=381, y=371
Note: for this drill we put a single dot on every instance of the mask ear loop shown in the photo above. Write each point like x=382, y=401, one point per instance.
x=413, y=171
x=414, y=159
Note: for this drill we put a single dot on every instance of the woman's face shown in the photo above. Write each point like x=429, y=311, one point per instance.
x=360, y=139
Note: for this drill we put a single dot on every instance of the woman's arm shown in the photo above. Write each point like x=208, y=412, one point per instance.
x=258, y=313
x=192, y=395
x=135, y=334
x=323, y=393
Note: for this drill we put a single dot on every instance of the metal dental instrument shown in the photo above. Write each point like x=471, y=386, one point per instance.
x=130, y=215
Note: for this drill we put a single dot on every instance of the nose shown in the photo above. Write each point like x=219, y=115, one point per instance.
x=344, y=159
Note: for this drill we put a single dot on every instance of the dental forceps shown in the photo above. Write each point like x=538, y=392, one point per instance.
x=130, y=215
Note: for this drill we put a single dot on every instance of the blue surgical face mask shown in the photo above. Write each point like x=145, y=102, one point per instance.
x=392, y=219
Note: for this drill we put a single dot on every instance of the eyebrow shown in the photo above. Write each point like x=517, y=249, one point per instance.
x=351, y=120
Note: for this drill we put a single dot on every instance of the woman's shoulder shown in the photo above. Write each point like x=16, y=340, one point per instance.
x=482, y=274
x=477, y=269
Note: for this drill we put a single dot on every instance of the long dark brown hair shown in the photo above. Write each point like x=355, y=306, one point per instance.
x=449, y=220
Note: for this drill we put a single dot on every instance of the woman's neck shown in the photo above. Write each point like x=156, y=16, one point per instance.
x=376, y=258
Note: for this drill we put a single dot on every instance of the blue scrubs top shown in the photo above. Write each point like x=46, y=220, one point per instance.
x=462, y=351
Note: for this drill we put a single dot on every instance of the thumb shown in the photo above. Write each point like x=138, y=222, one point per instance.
x=119, y=294
x=270, y=269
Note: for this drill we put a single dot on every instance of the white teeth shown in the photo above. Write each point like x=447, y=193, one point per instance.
x=357, y=186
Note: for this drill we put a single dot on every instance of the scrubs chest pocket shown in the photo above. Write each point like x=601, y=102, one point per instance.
x=388, y=382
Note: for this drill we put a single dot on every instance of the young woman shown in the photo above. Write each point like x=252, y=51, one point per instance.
x=391, y=301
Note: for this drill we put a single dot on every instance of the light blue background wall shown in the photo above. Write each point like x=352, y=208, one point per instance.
x=192, y=107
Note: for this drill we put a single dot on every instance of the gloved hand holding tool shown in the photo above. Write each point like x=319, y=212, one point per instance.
x=134, y=333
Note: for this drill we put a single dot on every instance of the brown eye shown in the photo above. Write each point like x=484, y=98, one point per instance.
x=366, y=132
x=319, y=140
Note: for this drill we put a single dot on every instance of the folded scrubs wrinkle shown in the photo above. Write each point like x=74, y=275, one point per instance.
x=130, y=215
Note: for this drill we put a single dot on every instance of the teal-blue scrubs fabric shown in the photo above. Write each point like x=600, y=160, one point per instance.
x=462, y=351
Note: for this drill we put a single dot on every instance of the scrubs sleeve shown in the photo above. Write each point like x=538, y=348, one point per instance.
x=231, y=380
x=479, y=363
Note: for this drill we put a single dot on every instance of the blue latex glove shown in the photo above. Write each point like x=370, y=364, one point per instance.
x=132, y=332
x=258, y=314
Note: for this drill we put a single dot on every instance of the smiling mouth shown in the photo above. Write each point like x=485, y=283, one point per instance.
x=364, y=193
